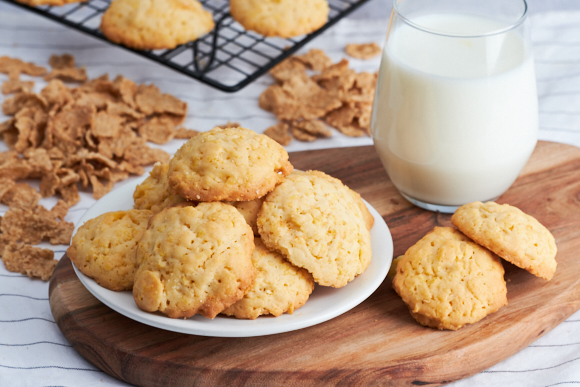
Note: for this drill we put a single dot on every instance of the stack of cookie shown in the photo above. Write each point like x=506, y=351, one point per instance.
x=228, y=227
x=453, y=277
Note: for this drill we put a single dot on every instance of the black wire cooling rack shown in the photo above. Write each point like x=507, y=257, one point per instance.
x=228, y=58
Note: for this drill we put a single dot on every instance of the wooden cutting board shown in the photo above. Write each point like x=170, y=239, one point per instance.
x=376, y=343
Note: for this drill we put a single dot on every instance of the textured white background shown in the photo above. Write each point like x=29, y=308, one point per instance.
x=33, y=352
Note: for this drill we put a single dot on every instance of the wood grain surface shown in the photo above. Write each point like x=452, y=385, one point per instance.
x=376, y=343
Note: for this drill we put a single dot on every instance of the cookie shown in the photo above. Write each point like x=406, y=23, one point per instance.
x=34, y=3
x=282, y=18
x=448, y=281
x=393, y=269
x=232, y=164
x=104, y=247
x=194, y=260
x=155, y=24
x=249, y=211
x=154, y=193
x=316, y=223
x=279, y=286
x=510, y=233
x=367, y=216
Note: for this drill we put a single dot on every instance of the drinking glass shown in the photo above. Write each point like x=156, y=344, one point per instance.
x=455, y=115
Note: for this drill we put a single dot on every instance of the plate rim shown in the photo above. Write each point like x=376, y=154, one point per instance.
x=159, y=321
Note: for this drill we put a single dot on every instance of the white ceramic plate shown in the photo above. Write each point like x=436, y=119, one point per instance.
x=324, y=303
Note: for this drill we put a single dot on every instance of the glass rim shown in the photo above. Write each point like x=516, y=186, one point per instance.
x=441, y=33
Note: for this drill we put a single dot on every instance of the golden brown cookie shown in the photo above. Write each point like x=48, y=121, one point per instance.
x=104, y=247
x=194, y=260
x=249, y=211
x=448, y=281
x=511, y=234
x=155, y=24
x=367, y=216
x=393, y=269
x=232, y=164
x=279, y=286
x=282, y=18
x=154, y=193
x=316, y=222
x=34, y=3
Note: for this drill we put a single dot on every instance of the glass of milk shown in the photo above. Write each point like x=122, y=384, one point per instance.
x=455, y=115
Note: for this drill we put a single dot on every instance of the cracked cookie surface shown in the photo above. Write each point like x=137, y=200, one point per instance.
x=447, y=280
x=194, y=260
x=232, y=164
x=279, y=287
x=104, y=247
x=510, y=233
x=250, y=211
x=316, y=222
x=154, y=193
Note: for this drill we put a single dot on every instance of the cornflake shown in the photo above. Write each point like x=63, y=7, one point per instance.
x=335, y=95
x=63, y=68
x=315, y=59
x=279, y=133
x=301, y=135
x=288, y=69
x=21, y=195
x=363, y=51
x=230, y=125
x=183, y=133
x=90, y=135
x=158, y=130
x=14, y=84
x=63, y=61
x=16, y=66
x=5, y=186
x=150, y=100
x=314, y=128
x=31, y=226
x=29, y=260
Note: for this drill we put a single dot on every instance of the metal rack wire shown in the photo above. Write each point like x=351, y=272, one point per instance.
x=228, y=58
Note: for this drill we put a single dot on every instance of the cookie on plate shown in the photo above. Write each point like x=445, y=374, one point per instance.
x=282, y=18
x=155, y=24
x=194, y=260
x=249, y=211
x=447, y=280
x=316, y=223
x=154, y=193
x=367, y=216
x=510, y=233
x=279, y=286
x=232, y=164
x=104, y=247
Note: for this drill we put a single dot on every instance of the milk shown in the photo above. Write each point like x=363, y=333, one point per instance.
x=455, y=119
